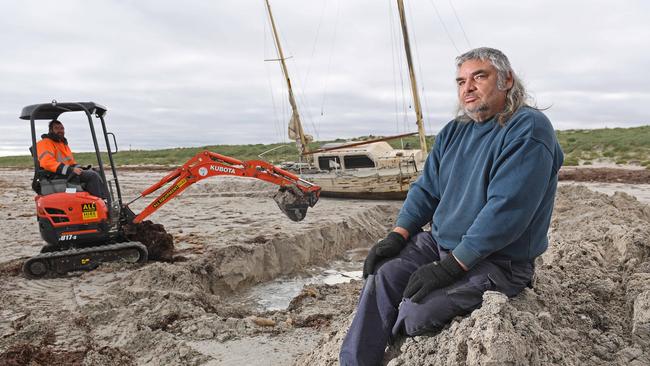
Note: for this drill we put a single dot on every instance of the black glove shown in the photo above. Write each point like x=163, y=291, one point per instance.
x=388, y=247
x=433, y=276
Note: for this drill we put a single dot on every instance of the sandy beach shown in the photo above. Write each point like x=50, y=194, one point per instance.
x=590, y=303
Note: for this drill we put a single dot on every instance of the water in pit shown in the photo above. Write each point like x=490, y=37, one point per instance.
x=277, y=294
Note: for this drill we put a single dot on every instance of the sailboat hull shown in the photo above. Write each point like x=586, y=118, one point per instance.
x=378, y=185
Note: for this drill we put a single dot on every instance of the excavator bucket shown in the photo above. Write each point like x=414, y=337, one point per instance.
x=160, y=244
x=294, y=202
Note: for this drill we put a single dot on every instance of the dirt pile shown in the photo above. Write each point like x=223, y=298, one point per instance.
x=590, y=303
x=45, y=355
x=159, y=243
x=27, y=354
x=11, y=268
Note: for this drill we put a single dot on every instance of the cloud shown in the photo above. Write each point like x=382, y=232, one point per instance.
x=194, y=73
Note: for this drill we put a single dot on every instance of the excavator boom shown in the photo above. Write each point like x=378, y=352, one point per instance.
x=295, y=196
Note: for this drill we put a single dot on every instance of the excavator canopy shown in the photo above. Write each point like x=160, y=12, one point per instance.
x=53, y=110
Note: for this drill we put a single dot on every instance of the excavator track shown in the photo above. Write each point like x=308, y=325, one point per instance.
x=59, y=263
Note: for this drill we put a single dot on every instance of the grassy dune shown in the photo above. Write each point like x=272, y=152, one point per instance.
x=618, y=145
x=581, y=147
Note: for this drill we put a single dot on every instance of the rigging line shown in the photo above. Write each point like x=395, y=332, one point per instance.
x=285, y=106
x=444, y=26
x=275, y=46
x=419, y=65
x=297, y=97
x=460, y=24
x=329, y=62
x=284, y=110
x=303, y=102
x=277, y=125
x=428, y=110
x=397, y=74
x=284, y=103
x=405, y=99
x=298, y=83
x=427, y=118
x=313, y=49
x=393, y=56
x=400, y=62
x=403, y=65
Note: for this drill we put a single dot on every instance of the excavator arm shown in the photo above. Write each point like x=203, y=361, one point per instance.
x=295, y=196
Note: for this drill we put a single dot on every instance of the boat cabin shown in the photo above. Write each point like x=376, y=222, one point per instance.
x=372, y=156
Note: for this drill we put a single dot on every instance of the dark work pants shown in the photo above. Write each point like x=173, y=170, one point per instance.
x=94, y=184
x=382, y=313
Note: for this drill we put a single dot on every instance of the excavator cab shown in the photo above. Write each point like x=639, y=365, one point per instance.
x=67, y=214
x=69, y=218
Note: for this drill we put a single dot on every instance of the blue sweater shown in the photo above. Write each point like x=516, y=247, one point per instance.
x=488, y=190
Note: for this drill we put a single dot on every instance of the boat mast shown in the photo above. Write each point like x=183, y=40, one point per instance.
x=295, y=126
x=414, y=87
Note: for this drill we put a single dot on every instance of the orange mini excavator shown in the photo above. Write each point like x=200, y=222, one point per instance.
x=83, y=231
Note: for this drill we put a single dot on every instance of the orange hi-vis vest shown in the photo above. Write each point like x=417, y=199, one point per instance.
x=55, y=156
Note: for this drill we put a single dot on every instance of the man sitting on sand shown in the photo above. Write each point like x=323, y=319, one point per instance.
x=55, y=156
x=487, y=188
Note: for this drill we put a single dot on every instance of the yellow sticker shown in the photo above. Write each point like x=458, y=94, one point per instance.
x=168, y=194
x=89, y=211
x=85, y=260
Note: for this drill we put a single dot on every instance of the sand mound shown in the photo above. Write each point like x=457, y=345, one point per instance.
x=590, y=303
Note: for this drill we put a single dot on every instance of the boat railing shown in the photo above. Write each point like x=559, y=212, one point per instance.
x=407, y=162
x=412, y=161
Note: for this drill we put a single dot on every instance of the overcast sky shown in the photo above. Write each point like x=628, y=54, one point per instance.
x=193, y=73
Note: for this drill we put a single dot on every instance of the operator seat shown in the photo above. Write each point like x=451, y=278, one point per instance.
x=46, y=182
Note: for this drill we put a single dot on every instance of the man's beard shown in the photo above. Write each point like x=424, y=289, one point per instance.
x=482, y=107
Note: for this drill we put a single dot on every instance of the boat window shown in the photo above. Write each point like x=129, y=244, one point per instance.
x=358, y=161
x=329, y=162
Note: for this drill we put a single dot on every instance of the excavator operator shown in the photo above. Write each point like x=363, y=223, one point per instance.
x=55, y=156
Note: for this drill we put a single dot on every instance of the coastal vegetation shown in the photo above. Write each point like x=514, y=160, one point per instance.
x=629, y=146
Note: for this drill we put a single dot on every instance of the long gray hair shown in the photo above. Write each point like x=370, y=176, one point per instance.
x=516, y=97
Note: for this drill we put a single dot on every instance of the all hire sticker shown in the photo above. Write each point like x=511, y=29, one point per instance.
x=89, y=211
